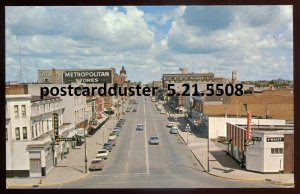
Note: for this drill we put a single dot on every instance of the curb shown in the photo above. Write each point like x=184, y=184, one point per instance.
x=235, y=179
x=11, y=186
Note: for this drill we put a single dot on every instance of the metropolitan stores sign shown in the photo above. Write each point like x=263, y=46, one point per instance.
x=88, y=76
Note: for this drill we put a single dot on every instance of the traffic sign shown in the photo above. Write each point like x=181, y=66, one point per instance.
x=65, y=139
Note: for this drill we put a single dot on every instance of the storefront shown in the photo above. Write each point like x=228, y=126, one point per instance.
x=266, y=155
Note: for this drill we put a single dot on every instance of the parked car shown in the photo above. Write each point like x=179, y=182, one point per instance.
x=119, y=124
x=153, y=140
x=116, y=131
x=96, y=164
x=162, y=112
x=108, y=146
x=140, y=127
x=170, y=124
x=134, y=110
x=122, y=120
x=112, y=139
x=102, y=154
x=174, y=130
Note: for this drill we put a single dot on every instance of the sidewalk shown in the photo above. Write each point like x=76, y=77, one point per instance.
x=222, y=165
x=71, y=168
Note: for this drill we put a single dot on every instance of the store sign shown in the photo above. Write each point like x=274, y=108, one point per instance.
x=256, y=138
x=275, y=139
x=90, y=76
x=55, y=125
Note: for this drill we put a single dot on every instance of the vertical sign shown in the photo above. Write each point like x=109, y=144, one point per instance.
x=248, y=125
x=94, y=109
x=55, y=125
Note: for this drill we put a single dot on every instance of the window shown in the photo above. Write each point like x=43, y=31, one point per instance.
x=276, y=150
x=23, y=110
x=36, y=130
x=245, y=108
x=32, y=132
x=6, y=135
x=24, y=132
x=17, y=133
x=16, y=110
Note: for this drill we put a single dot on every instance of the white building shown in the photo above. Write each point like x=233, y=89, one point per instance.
x=28, y=135
x=267, y=153
x=75, y=106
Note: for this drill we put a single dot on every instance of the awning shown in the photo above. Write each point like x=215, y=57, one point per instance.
x=72, y=133
x=94, y=126
x=104, y=117
x=81, y=131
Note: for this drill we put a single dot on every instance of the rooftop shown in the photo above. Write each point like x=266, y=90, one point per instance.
x=38, y=98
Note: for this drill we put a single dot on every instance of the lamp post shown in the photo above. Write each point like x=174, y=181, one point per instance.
x=103, y=134
x=187, y=128
x=85, y=151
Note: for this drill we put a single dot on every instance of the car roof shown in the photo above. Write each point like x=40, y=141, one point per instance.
x=97, y=159
x=154, y=137
x=139, y=124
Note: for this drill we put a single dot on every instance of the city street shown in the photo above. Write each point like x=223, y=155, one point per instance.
x=133, y=163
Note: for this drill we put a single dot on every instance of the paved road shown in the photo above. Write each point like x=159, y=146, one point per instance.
x=134, y=163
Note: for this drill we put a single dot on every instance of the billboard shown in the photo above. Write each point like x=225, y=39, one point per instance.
x=88, y=76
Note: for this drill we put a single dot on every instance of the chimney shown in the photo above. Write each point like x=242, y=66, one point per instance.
x=233, y=79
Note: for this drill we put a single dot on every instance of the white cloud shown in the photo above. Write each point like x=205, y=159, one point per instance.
x=257, y=41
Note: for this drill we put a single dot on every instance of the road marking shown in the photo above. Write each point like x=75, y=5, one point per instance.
x=144, y=109
x=146, y=150
x=119, y=182
x=129, y=151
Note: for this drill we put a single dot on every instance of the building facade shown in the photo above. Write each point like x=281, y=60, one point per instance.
x=29, y=134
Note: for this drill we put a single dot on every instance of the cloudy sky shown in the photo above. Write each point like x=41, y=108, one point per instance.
x=255, y=41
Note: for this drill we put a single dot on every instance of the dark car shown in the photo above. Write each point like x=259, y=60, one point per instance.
x=119, y=125
x=116, y=131
x=139, y=127
x=96, y=164
x=122, y=120
x=134, y=110
x=108, y=146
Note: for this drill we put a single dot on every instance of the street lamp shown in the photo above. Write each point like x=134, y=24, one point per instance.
x=187, y=128
x=85, y=154
x=103, y=134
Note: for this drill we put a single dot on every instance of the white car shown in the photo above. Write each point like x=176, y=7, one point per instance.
x=102, y=154
x=170, y=124
x=162, y=112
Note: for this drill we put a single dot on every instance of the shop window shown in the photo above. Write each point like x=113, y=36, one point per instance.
x=17, y=130
x=24, y=132
x=276, y=150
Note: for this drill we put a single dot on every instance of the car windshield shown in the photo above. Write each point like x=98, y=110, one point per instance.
x=107, y=144
x=101, y=152
x=154, y=138
x=140, y=126
x=96, y=161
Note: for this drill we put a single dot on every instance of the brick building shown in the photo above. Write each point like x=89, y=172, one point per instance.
x=276, y=104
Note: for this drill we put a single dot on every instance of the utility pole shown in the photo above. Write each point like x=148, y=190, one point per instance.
x=207, y=149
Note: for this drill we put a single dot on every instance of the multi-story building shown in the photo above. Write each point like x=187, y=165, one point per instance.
x=29, y=134
x=186, y=77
